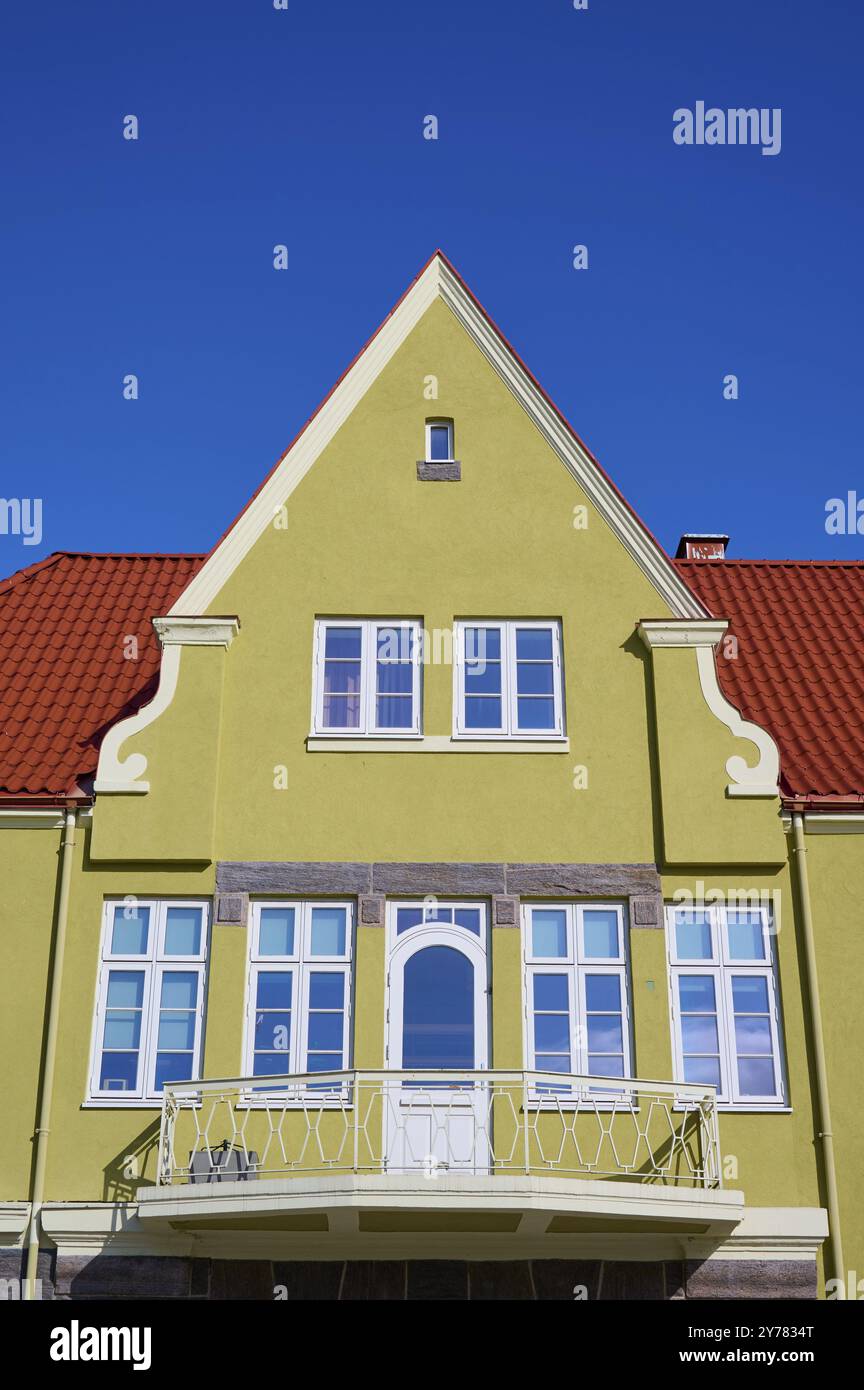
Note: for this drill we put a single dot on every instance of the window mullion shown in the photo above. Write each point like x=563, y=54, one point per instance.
x=730, y=1087
x=301, y=990
x=557, y=679
x=149, y=1026
x=461, y=723
x=368, y=675
x=99, y=1025
x=318, y=665
x=416, y=678
x=198, y=1050
x=298, y=1020
x=579, y=1018
x=508, y=679
x=249, y=1030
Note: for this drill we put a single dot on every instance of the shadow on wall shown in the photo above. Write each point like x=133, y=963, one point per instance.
x=125, y=1172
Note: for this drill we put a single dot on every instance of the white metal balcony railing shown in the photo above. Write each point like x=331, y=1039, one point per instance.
x=466, y=1122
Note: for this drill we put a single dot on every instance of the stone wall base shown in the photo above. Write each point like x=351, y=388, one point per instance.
x=70, y=1277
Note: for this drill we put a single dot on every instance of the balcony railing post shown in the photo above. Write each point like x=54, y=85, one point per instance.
x=715, y=1143
x=166, y=1138
x=355, y=1106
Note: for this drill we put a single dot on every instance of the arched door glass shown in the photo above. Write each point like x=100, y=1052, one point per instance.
x=438, y=1010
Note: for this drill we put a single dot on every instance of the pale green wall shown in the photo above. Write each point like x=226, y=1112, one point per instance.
x=701, y=825
x=28, y=881
x=836, y=869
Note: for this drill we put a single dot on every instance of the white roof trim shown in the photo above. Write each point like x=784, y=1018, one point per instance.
x=761, y=780
x=437, y=281
x=832, y=823
x=660, y=632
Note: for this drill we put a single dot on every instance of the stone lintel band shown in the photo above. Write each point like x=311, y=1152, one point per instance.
x=449, y=472
x=371, y=884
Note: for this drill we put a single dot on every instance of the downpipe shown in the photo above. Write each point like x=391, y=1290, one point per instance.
x=825, y=1134
x=67, y=846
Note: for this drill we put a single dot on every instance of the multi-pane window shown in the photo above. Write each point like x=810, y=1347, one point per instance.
x=299, y=999
x=447, y=914
x=508, y=680
x=577, y=997
x=725, y=1015
x=367, y=677
x=150, y=998
x=439, y=441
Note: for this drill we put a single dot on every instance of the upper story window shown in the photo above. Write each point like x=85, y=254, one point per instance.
x=439, y=441
x=150, y=998
x=299, y=996
x=508, y=680
x=367, y=677
x=576, y=991
x=725, y=1014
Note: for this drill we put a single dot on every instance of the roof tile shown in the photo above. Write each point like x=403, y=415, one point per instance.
x=799, y=669
x=65, y=676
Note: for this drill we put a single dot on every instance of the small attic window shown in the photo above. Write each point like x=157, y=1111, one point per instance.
x=439, y=441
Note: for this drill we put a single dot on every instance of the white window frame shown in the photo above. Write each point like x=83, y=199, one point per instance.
x=367, y=727
x=509, y=727
x=575, y=964
x=721, y=967
x=301, y=964
x=402, y=945
x=153, y=964
x=439, y=423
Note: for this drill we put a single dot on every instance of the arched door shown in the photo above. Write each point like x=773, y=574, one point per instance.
x=437, y=1022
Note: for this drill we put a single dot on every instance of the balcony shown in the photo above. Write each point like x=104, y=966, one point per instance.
x=380, y=1161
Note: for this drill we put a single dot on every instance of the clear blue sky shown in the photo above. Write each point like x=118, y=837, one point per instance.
x=304, y=127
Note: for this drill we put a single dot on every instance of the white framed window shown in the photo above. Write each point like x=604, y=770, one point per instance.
x=724, y=1003
x=470, y=916
x=439, y=441
x=577, y=995
x=367, y=677
x=150, y=995
x=298, y=1008
x=508, y=680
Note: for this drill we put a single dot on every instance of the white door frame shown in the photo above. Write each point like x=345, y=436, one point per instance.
x=450, y=1115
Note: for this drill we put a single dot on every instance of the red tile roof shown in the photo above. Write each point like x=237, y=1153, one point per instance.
x=64, y=678
x=800, y=666
x=64, y=675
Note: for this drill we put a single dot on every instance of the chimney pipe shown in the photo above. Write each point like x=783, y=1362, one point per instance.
x=701, y=545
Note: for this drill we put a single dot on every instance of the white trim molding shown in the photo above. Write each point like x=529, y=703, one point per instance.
x=196, y=632
x=123, y=775
x=43, y=818
x=143, y=1227
x=760, y=780
x=437, y=281
x=435, y=743
x=829, y=823
x=661, y=632
x=14, y=1219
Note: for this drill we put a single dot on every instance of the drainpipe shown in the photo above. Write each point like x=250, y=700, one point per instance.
x=67, y=845
x=823, y=1109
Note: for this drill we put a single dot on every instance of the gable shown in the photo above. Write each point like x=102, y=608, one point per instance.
x=437, y=285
